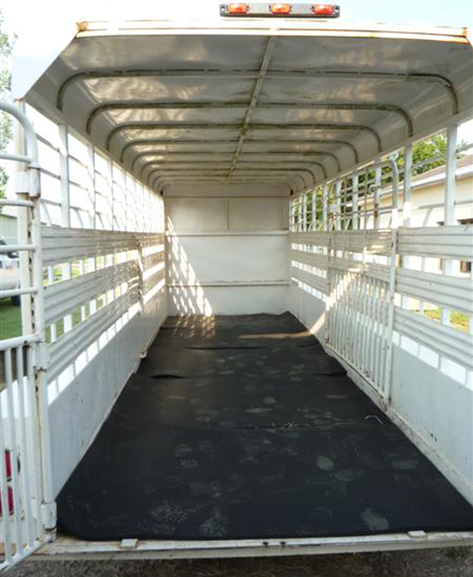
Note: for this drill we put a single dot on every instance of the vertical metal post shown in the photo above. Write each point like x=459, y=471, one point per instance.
x=22, y=228
x=377, y=191
x=325, y=201
x=40, y=367
x=65, y=200
x=355, y=202
x=469, y=372
x=304, y=211
x=452, y=133
x=111, y=194
x=449, y=203
x=34, y=265
x=391, y=292
x=338, y=192
x=64, y=176
x=314, y=208
x=91, y=184
x=407, y=205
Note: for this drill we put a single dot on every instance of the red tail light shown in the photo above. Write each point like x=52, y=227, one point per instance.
x=8, y=464
x=280, y=8
x=238, y=8
x=323, y=9
x=11, y=507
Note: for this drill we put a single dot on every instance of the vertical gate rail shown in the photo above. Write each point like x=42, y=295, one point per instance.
x=372, y=276
x=353, y=268
x=360, y=302
x=26, y=504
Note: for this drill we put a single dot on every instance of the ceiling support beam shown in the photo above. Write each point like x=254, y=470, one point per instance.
x=223, y=165
x=173, y=142
x=180, y=105
x=268, y=53
x=333, y=127
x=163, y=154
x=191, y=75
x=253, y=172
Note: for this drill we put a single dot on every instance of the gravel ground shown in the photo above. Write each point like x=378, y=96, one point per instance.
x=427, y=563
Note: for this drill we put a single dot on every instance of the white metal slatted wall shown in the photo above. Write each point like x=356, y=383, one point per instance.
x=374, y=289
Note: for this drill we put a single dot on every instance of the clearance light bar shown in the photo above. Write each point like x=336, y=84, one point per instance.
x=281, y=10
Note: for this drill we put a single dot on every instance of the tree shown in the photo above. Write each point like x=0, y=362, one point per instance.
x=433, y=147
x=5, y=120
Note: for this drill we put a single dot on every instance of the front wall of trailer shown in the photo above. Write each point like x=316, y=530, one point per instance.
x=227, y=249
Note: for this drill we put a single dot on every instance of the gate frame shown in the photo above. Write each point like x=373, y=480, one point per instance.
x=19, y=536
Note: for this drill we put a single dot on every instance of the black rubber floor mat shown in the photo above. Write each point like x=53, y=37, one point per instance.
x=274, y=362
x=228, y=340
x=251, y=331
x=194, y=483
x=206, y=403
x=239, y=324
x=275, y=442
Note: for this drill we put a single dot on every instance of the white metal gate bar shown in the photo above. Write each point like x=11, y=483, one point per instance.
x=26, y=505
x=375, y=283
x=127, y=267
x=358, y=321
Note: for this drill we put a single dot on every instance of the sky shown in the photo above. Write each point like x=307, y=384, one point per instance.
x=43, y=15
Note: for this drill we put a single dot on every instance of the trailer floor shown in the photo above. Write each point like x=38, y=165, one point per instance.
x=243, y=427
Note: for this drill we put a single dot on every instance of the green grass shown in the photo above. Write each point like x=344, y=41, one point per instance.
x=10, y=320
x=458, y=320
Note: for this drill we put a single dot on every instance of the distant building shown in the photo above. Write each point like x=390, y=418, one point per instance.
x=8, y=228
x=428, y=195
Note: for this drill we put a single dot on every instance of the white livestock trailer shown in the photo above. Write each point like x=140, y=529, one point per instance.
x=203, y=172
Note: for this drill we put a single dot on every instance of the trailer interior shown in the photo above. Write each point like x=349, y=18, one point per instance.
x=235, y=275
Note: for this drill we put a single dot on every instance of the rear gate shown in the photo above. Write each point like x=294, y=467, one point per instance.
x=26, y=520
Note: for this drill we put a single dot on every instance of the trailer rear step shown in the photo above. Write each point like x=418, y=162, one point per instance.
x=251, y=444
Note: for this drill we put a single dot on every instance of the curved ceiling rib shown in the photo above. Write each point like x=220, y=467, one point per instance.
x=294, y=182
x=163, y=181
x=256, y=126
x=221, y=165
x=286, y=153
x=223, y=173
x=348, y=74
x=261, y=106
x=167, y=141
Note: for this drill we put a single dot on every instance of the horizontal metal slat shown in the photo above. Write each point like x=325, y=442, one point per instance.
x=155, y=278
x=442, y=290
x=371, y=270
x=150, y=239
x=447, y=242
x=311, y=258
x=153, y=259
x=369, y=241
x=310, y=279
x=65, y=297
x=442, y=339
x=67, y=348
x=62, y=245
x=317, y=238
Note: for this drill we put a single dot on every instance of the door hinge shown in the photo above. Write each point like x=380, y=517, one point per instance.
x=49, y=511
